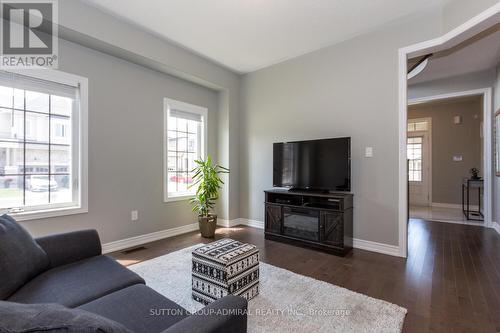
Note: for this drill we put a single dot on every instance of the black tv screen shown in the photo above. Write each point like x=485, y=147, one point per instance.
x=316, y=164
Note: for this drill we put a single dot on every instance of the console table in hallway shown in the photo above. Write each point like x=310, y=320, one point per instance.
x=467, y=185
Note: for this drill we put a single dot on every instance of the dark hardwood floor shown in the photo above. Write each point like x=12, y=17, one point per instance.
x=449, y=283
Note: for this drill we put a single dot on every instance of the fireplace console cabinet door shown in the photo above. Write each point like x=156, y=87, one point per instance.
x=274, y=218
x=332, y=228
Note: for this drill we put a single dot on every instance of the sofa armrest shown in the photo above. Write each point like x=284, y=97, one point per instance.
x=69, y=247
x=226, y=315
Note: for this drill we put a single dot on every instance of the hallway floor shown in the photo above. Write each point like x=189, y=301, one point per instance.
x=441, y=214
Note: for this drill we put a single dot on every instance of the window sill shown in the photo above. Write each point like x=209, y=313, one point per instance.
x=179, y=198
x=43, y=214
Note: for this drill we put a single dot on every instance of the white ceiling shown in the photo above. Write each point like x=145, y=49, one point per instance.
x=246, y=35
x=471, y=57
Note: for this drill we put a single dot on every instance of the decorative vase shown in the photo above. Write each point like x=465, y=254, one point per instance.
x=207, y=225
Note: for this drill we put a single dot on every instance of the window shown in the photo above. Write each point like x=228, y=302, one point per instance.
x=184, y=142
x=415, y=126
x=42, y=143
x=414, y=151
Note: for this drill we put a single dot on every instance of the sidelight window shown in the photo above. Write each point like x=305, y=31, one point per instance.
x=414, y=153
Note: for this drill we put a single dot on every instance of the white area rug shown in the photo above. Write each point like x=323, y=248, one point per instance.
x=287, y=302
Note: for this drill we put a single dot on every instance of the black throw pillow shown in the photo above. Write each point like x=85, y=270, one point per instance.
x=54, y=318
x=21, y=258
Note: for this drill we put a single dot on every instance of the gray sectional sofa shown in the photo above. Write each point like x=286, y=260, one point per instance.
x=62, y=283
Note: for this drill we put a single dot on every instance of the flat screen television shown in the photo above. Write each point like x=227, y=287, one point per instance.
x=323, y=165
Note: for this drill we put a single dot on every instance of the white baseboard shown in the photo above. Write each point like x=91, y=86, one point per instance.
x=470, y=222
x=228, y=223
x=147, y=238
x=392, y=250
x=361, y=244
x=251, y=223
x=224, y=223
x=494, y=225
x=240, y=221
x=450, y=205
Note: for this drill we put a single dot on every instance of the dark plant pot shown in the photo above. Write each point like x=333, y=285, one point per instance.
x=207, y=225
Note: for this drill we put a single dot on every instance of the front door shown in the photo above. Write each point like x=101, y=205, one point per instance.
x=418, y=152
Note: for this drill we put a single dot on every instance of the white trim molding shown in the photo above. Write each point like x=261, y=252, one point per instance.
x=361, y=244
x=240, y=221
x=392, y=250
x=470, y=222
x=147, y=238
x=158, y=235
x=251, y=223
x=45, y=214
x=227, y=223
x=495, y=226
x=450, y=205
x=131, y=242
x=427, y=134
x=223, y=223
x=79, y=147
x=171, y=105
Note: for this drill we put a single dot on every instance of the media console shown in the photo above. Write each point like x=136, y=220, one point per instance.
x=313, y=219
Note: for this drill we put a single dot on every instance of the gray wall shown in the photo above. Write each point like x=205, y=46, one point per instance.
x=349, y=89
x=318, y=93
x=457, y=12
x=472, y=81
x=126, y=146
x=448, y=140
x=111, y=199
x=99, y=30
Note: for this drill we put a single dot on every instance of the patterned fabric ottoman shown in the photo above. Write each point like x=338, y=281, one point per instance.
x=225, y=267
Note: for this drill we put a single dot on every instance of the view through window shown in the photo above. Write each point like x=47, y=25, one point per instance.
x=185, y=143
x=414, y=152
x=37, y=168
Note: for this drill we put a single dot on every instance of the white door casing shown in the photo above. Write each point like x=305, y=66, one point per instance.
x=475, y=25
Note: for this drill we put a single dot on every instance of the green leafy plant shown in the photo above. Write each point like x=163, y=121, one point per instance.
x=207, y=176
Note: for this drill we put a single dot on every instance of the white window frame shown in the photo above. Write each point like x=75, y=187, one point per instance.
x=421, y=158
x=169, y=104
x=427, y=135
x=79, y=150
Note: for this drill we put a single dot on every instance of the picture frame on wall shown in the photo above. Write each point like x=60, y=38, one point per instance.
x=496, y=122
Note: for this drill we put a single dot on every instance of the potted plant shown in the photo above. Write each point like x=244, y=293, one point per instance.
x=207, y=176
x=474, y=172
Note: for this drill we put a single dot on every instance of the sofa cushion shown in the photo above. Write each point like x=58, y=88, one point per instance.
x=139, y=308
x=77, y=283
x=15, y=317
x=21, y=257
